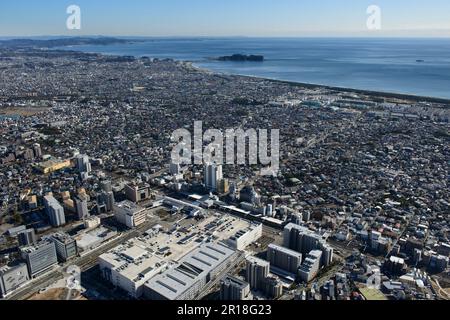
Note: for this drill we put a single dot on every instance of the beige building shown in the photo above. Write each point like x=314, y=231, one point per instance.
x=137, y=193
x=53, y=166
x=129, y=214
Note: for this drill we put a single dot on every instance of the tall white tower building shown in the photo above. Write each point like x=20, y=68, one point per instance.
x=212, y=175
x=83, y=164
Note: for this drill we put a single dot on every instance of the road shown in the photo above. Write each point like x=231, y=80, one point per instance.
x=439, y=290
x=91, y=259
x=84, y=263
x=327, y=274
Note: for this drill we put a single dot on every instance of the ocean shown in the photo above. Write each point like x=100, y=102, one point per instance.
x=407, y=66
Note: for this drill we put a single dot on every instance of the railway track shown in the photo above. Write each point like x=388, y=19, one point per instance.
x=84, y=263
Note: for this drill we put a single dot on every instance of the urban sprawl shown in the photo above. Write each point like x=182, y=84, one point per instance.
x=359, y=209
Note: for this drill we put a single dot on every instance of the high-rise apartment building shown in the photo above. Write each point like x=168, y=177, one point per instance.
x=37, y=150
x=83, y=164
x=311, y=266
x=283, y=258
x=26, y=237
x=81, y=207
x=234, y=289
x=303, y=240
x=257, y=270
x=212, y=175
x=55, y=211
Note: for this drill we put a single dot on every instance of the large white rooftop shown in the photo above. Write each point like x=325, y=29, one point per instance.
x=174, y=282
x=133, y=260
x=131, y=207
x=138, y=254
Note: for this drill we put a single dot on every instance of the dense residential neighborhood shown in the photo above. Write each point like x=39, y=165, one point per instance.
x=357, y=211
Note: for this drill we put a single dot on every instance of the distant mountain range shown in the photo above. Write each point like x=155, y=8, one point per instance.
x=51, y=43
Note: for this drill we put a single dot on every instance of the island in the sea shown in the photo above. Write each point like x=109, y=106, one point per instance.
x=242, y=57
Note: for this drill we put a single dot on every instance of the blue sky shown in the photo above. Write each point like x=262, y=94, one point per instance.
x=225, y=17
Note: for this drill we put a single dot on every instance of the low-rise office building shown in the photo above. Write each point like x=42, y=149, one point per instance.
x=13, y=232
x=129, y=214
x=130, y=265
x=137, y=192
x=40, y=257
x=12, y=277
x=66, y=246
x=92, y=222
x=243, y=238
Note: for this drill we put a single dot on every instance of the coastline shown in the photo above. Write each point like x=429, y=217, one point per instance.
x=372, y=93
